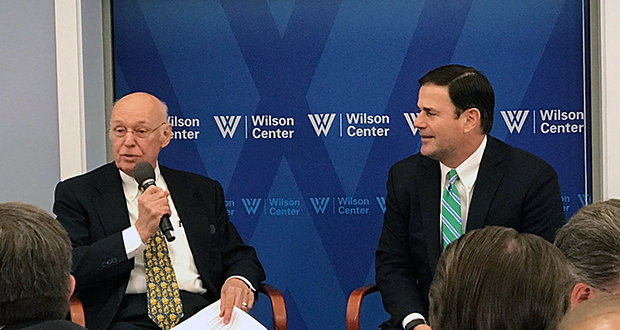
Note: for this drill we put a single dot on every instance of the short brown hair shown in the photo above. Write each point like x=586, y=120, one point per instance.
x=497, y=278
x=468, y=88
x=35, y=264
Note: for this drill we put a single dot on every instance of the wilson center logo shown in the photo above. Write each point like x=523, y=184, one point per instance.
x=515, y=119
x=410, y=117
x=585, y=199
x=319, y=204
x=251, y=205
x=381, y=201
x=322, y=122
x=227, y=124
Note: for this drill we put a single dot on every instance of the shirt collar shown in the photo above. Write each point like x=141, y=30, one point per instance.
x=130, y=185
x=468, y=170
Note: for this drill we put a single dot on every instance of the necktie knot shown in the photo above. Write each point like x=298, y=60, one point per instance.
x=453, y=176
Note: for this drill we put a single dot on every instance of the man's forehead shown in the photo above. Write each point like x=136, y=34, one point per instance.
x=128, y=120
x=433, y=95
x=136, y=114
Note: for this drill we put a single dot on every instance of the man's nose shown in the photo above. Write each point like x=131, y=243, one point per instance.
x=419, y=121
x=130, y=139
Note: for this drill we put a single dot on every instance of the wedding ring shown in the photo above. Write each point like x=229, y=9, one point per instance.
x=244, y=304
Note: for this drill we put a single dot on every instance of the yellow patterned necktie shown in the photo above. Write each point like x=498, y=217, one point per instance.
x=162, y=290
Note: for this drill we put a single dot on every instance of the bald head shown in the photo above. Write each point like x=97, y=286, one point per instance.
x=139, y=130
x=601, y=313
x=141, y=102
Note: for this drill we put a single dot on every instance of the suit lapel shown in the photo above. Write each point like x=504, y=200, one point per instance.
x=186, y=201
x=111, y=204
x=191, y=210
x=489, y=177
x=429, y=179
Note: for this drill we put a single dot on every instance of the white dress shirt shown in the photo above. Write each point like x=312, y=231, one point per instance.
x=180, y=253
x=467, y=172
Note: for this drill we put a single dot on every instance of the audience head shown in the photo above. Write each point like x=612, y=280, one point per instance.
x=467, y=88
x=139, y=129
x=497, y=278
x=590, y=240
x=602, y=313
x=35, y=265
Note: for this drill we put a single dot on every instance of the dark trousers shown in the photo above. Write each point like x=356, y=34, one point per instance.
x=132, y=314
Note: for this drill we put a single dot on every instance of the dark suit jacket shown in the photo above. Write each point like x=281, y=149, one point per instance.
x=93, y=210
x=44, y=325
x=513, y=189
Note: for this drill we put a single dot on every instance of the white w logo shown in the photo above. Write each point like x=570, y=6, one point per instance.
x=585, y=199
x=515, y=119
x=381, y=201
x=227, y=124
x=320, y=204
x=251, y=205
x=321, y=122
x=410, y=117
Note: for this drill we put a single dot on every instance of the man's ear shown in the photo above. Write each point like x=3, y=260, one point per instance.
x=166, y=136
x=471, y=117
x=71, y=286
x=581, y=292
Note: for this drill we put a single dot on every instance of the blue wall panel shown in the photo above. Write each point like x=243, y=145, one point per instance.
x=299, y=108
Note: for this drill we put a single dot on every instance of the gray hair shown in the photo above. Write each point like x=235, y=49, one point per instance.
x=590, y=240
x=35, y=264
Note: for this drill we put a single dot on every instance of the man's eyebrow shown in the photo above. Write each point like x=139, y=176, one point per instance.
x=140, y=122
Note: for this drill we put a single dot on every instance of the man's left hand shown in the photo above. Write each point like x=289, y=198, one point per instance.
x=235, y=293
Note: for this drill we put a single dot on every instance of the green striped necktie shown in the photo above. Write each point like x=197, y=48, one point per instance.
x=451, y=223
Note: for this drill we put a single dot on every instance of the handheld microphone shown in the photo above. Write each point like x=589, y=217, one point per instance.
x=145, y=176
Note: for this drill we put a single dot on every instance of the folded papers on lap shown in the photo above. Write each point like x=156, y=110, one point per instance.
x=209, y=319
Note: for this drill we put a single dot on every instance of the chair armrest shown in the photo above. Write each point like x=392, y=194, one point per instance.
x=277, y=305
x=77, y=311
x=275, y=296
x=355, y=303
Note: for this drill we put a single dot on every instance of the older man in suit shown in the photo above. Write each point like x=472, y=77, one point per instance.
x=114, y=226
x=461, y=179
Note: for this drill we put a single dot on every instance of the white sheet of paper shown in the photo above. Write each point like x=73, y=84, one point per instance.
x=209, y=319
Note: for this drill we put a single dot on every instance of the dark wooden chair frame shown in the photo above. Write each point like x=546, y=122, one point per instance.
x=355, y=303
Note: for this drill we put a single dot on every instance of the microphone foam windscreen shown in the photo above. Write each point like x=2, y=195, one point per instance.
x=143, y=171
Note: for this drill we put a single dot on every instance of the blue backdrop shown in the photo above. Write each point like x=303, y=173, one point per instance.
x=300, y=107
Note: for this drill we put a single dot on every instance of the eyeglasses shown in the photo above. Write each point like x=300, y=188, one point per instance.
x=140, y=132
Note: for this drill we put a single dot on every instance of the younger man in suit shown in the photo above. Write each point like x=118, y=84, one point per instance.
x=461, y=179
x=35, y=270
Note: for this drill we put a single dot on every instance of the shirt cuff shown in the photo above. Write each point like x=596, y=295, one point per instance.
x=245, y=280
x=132, y=241
x=411, y=317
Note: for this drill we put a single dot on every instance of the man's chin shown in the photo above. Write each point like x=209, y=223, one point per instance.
x=430, y=153
x=426, y=150
x=127, y=165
